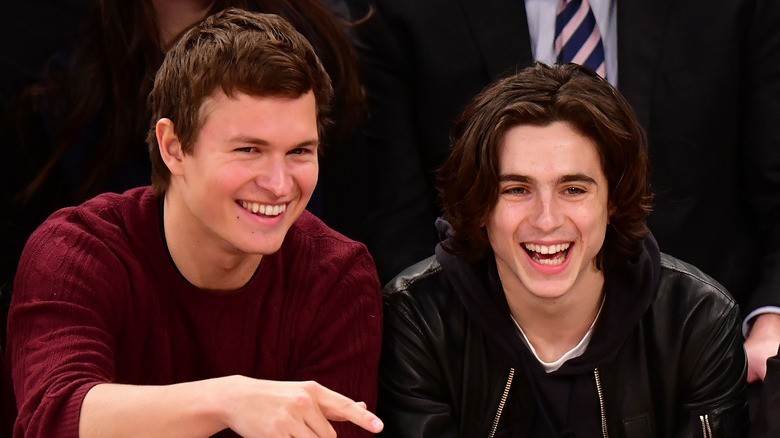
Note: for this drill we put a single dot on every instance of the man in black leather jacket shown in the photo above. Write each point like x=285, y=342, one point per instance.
x=548, y=309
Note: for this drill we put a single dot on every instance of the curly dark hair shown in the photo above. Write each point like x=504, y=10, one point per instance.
x=540, y=95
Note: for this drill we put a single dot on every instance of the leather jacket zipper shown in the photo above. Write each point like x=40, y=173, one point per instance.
x=604, y=431
x=502, y=402
x=704, y=418
x=706, y=430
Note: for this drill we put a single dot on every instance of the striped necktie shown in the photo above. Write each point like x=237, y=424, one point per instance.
x=577, y=36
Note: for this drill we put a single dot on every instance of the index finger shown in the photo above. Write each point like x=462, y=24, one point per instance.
x=340, y=408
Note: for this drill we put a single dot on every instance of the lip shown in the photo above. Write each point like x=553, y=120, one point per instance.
x=549, y=269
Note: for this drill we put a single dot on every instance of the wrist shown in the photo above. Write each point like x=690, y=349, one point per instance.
x=764, y=325
x=215, y=398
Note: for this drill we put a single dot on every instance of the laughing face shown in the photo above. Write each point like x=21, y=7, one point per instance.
x=252, y=170
x=550, y=219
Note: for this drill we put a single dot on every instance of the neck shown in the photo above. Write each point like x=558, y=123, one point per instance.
x=175, y=16
x=556, y=325
x=203, y=262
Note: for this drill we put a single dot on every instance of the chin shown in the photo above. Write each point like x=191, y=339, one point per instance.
x=551, y=291
x=266, y=249
x=258, y=247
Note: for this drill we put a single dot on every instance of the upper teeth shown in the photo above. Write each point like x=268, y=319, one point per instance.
x=268, y=210
x=547, y=249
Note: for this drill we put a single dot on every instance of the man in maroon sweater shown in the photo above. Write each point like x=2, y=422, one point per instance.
x=211, y=301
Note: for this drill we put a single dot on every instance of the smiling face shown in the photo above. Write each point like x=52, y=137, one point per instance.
x=550, y=220
x=251, y=173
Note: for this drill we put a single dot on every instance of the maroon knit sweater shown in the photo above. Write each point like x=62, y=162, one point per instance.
x=98, y=299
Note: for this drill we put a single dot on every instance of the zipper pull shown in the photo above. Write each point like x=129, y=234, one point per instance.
x=706, y=430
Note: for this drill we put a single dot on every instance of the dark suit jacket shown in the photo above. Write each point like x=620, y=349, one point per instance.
x=766, y=422
x=702, y=75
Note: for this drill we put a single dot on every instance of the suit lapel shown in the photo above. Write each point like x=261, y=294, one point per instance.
x=641, y=27
x=500, y=29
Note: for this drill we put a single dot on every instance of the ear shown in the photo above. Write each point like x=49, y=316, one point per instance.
x=611, y=211
x=170, y=147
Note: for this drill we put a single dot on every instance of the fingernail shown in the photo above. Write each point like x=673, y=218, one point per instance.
x=377, y=425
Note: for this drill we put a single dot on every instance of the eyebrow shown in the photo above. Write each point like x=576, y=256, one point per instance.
x=260, y=142
x=575, y=177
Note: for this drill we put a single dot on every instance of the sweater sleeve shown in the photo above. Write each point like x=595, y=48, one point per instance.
x=345, y=338
x=60, y=325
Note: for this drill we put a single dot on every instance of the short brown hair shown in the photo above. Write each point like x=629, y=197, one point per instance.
x=540, y=95
x=236, y=51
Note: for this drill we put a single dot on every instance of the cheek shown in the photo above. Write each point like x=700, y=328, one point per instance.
x=306, y=177
x=594, y=215
x=596, y=227
x=501, y=225
x=229, y=177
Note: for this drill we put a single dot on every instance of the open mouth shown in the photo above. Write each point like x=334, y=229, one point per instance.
x=548, y=254
x=269, y=210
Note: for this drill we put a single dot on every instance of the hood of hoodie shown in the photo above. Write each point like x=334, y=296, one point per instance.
x=629, y=288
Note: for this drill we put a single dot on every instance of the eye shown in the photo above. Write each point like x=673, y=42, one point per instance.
x=573, y=191
x=515, y=190
x=305, y=150
x=247, y=149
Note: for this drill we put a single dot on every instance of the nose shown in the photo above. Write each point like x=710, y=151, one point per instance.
x=275, y=177
x=547, y=214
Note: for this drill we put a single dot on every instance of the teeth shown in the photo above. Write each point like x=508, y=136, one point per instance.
x=547, y=249
x=264, y=209
x=555, y=261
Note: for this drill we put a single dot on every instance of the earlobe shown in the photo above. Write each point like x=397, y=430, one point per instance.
x=170, y=147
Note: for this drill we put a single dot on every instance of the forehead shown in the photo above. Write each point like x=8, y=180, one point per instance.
x=244, y=114
x=218, y=101
x=548, y=151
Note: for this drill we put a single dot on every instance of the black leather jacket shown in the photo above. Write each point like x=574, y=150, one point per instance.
x=665, y=362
